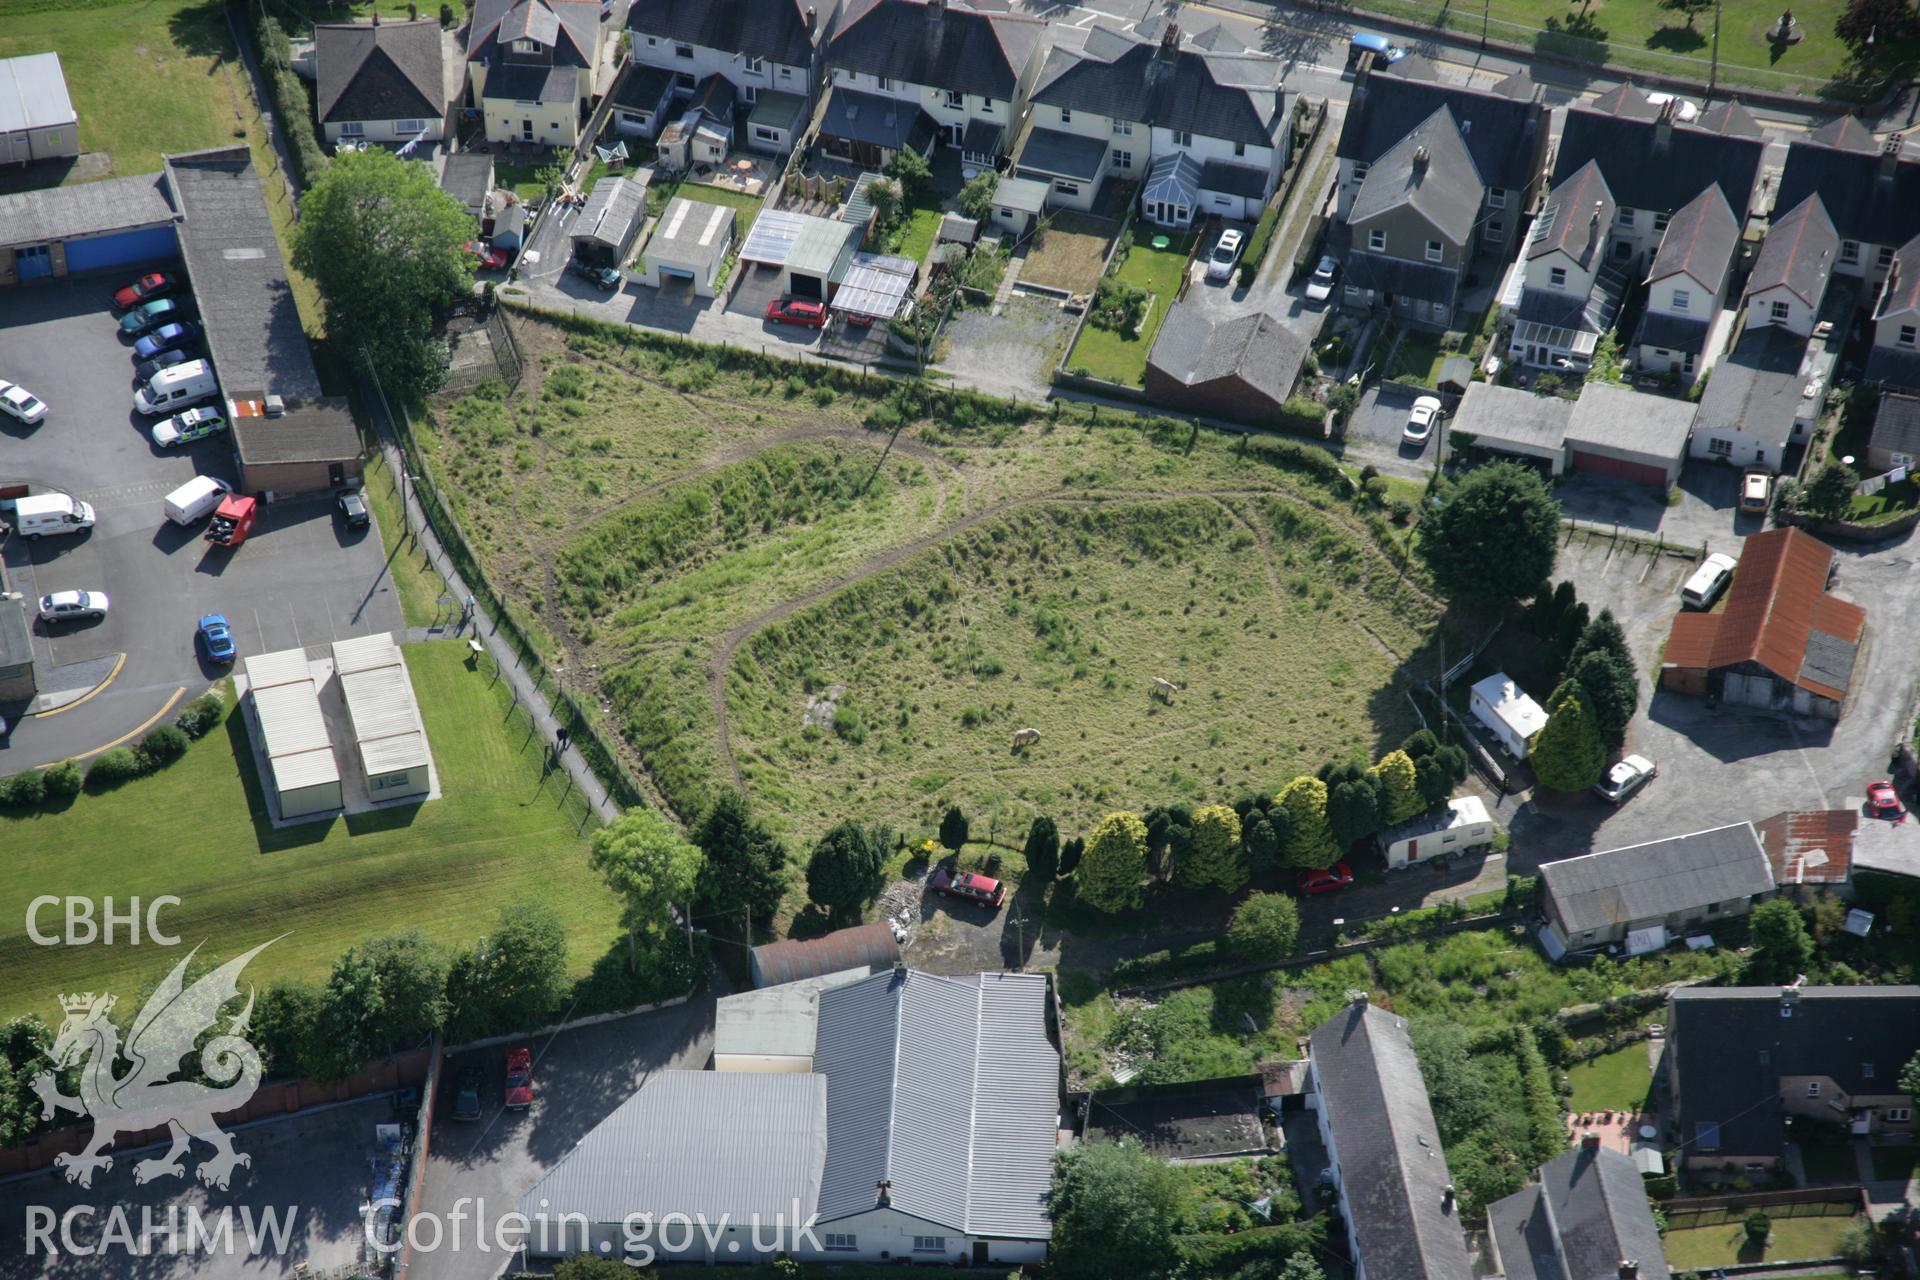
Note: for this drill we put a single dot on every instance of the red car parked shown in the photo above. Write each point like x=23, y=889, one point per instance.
x=491, y=259
x=519, y=1093
x=1882, y=802
x=797, y=311
x=966, y=885
x=145, y=289
x=1327, y=879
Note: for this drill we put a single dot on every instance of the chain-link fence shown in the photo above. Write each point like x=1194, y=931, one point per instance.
x=481, y=348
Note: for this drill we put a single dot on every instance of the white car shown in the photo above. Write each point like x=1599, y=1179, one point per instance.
x=1320, y=284
x=67, y=606
x=1225, y=253
x=1708, y=581
x=1685, y=112
x=1625, y=778
x=18, y=402
x=1426, y=412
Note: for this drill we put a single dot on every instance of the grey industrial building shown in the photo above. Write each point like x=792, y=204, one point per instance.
x=1644, y=895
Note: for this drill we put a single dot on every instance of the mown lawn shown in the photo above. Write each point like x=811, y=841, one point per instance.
x=1612, y=1080
x=1725, y=1244
x=748, y=206
x=419, y=584
x=1072, y=254
x=502, y=832
x=1120, y=357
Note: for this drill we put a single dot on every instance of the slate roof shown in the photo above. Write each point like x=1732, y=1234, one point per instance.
x=1121, y=75
x=613, y=213
x=1886, y=366
x=981, y=137
x=1902, y=291
x=1256, y=349
x=569, y=27
x=963, y=49
x=1644, y=173
x=71, y=213
x=1562, y=310
x=530, y=82
x=1393, y=1173
x=1618, y=887
x=33, y=93
x=1621, y=418
x=1428, y=171
x=1231, y=179
x=643, y=88
x=1799, y=253
x=1871, y=197
x=1778, y=614
x=861, y=947
x=1066, y=155
x=1671, y=333
x=468, y=176
x=1846, y=133
x=743, y=1144
x=246, y=303
x=1699, y=242
x=1505, y=416
x=772, y=29
x=1576, y=218
x=948, y=1088
x=1588, y=1213
x=1402, y=277
x=1729, y=118
x=383, y=71
x=1756, y=386
x=881, y=122
x=1896, y=424
x=1810, y=846
x=1731, y=1046
x=1505, y=128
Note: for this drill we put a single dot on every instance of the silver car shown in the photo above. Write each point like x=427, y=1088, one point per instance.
x=1625, y=778
x=1320, y=284
x=71, y=606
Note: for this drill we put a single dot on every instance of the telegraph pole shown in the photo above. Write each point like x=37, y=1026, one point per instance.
x=1713, y=72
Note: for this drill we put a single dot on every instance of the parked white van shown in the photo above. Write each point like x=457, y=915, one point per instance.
x=1708, y=581
x=195, y=499
x=174, y=389
x=45, y=513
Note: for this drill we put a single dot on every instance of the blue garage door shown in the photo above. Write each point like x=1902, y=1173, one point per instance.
x=119, y=249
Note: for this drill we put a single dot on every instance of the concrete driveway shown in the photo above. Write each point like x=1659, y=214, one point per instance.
x=302, y=578
x=480, y=1168
x=1730, y=764
x=1705, y=508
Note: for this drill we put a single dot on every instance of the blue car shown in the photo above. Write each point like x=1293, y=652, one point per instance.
x=217, y=636
x=149, y=315
x=166, y=338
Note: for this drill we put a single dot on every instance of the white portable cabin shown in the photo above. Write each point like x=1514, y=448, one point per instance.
x=1462, y=825
x=1507, y=712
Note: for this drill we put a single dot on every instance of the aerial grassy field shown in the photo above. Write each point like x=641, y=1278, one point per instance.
x=805, y=587
x=503, y=831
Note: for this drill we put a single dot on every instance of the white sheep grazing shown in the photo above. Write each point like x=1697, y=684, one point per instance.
x=1165, y=688
x=1025, y=738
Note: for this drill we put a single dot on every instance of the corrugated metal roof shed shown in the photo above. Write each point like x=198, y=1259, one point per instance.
x=359, y=653
x=823, y=247
x=303, y=769
x=1653, y=880
x=867, y=946
x=290, y=719
x=773, y=236
x=288, y=666
x=876, y=286
x=741, y=1144
x=1810, y=846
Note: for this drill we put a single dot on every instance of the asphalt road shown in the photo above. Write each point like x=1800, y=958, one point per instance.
x=302, y=578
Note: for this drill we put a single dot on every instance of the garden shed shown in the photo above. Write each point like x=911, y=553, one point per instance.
x=1017, y=202
x=811, y=253
x=610, y=221
x=689, y=243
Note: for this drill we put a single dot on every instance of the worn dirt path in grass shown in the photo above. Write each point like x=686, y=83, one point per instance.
x=730, y=643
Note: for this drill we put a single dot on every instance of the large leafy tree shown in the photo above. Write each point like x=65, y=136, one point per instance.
x=23, y=1045
x=651, y=868
x=1829, y=495
x=352, y=1014
x=1263, y=833
x=1309, y=841
x=1399, y=781
x=1781, y=944
x=1264, y=929
x=515, y=980
x=1042, y=850
x=1115, y=863
x=1438, y=767
x=1216, y=861
x=1115, y=1208
x=745, y=866
x=953, y=828
x=843, y=875
x=1884, y=21
x=1612, y=690
x=382, y=243
x=1353, y=803
x=412, y=976
x=1496, y=537
x=1568, y=754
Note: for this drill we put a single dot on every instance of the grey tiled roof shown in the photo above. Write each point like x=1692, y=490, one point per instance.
x=1799, y=253
x=1896, y=424
x=1189, y=90
x=1066, y=155
x=1257, y=349
x=1576, y=219
x=1757, y=386
x=1505, y=129
x=1699, y=242
x=1231, y=179
x=1426, y=281
x=530, y=82
x=1829, y=659
x=1646, y=173
x=246, y=303
x=771, y=29
x=982, y=137
x=384, y=71
x=1393, y=1174
x=1623, y=418
x=1563, y=310
x=974, y=52
x=468, y=176
x=743, y=1144
x=612, y=214
x=1429, y=171
x=1890, y=367
x=1588, y=1214
x=67, y=213
x=643, y=87
x=1731, y=1046
x=1652, y=880
x=569, y=27
x=1512, y=415
x=949, y=1090
x=1672, y=333
x=870, y=118
x=1871, y=197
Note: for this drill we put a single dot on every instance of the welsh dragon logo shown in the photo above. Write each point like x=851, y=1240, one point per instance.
x=147, y=1096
